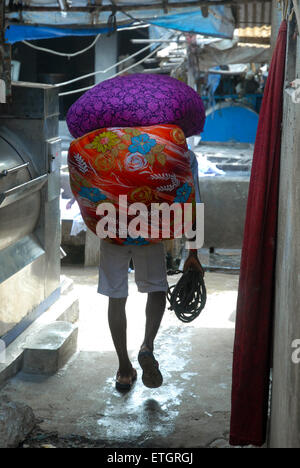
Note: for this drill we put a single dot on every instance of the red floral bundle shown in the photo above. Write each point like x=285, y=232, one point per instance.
x=148, y=165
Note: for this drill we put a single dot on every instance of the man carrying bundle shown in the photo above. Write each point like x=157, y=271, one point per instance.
x=149, y=163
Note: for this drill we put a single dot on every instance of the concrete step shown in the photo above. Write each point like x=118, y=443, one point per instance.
x=50, y=348
x=66, y=309
x=66, y=284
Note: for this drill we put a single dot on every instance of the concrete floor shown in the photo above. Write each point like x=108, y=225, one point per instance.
x=191, y=409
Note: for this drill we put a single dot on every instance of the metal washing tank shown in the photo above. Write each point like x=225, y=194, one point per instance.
x=29, y=207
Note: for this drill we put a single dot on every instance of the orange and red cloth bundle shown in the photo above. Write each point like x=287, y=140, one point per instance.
x=131, y=134
x=147, y=164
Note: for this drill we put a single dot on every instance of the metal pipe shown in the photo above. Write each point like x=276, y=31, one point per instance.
x=223, y=72
x=16, y=193
x=6, y=172
x=150, y=41
x=62, y=5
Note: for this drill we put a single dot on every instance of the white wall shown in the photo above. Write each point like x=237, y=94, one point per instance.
x=285, y=405
x=106, y=51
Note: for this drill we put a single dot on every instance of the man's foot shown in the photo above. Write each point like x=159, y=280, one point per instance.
x=125, y=383
x=151, y=377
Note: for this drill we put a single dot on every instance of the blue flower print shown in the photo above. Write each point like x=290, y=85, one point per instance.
x=138, y=241
x=92, y=194
x=183, y=193
x=141, y=144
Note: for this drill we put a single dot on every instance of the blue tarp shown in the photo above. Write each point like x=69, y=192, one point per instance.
x=16, y=33
x=218, y=24
x=193, y=22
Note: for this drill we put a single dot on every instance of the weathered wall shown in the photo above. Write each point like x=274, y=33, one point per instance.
x=225, y=203
x=285, y=407
x=106, y=54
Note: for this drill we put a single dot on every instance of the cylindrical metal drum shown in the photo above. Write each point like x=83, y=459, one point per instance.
x=19, y=207
x=230, y=122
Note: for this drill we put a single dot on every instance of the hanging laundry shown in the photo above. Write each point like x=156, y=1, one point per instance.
x=253, y=336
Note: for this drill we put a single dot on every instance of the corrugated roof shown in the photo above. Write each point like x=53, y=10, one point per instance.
x=253, y=14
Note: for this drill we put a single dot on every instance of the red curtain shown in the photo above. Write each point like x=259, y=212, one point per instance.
x=253, y=335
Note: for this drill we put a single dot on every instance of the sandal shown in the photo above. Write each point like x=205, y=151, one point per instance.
x=151, y=377
x=125, y=387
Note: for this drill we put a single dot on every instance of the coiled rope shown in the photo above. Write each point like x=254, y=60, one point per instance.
x=188, y=296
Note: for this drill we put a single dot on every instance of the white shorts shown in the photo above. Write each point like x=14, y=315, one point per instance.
x=149, y=268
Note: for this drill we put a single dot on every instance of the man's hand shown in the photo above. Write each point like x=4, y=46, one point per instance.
x=192, y=262
x=70, y=203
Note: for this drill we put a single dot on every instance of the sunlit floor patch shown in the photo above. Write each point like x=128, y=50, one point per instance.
x=143, y=412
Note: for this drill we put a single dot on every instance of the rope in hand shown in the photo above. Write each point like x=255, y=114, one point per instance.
x=188, y=297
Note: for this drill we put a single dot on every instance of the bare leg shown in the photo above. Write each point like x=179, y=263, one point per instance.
x=155, y=308
x=118, y=327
